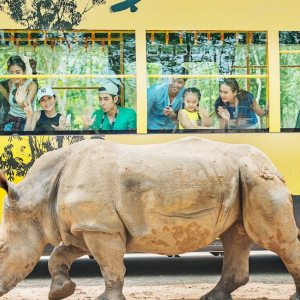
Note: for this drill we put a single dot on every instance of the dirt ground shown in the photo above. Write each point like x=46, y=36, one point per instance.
x=164, y=278
x=164, y=292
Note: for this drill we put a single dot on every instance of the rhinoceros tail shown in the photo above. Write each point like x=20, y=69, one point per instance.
x=3, y=180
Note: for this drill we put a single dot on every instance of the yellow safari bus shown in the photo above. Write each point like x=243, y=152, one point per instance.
x=139, y=72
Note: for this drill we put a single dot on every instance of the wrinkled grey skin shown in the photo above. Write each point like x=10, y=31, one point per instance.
x=107, y=199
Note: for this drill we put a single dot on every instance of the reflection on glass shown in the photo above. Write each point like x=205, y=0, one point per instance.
x=29, y=51
x=13, y=50
x=195, y=49
x=205, y=56
x=152, y=50
x=167, y=51
x=289, y=79
x=67, y=53
x=181, y=49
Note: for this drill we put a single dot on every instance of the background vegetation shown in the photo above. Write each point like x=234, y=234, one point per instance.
x=207, y=55
x=76, y=54
x=71, y=57
x=290, y=80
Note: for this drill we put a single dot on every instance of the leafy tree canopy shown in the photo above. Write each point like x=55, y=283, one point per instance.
x=47, y=14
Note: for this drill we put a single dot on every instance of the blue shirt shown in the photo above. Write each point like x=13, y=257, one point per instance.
x=243, y=111
x=157, y=100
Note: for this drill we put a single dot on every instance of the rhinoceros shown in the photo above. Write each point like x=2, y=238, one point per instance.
x=107, y=199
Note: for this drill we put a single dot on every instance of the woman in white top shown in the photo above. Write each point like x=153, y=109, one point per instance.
x=21, y=90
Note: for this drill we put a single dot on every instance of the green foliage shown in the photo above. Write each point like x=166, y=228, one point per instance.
x=154, y=69
x=46, y=14
x=289, y=87
x=210, y=59
x=97, y=60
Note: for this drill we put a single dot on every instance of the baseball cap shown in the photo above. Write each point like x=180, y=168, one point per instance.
x=108, y=88
x=45, y=91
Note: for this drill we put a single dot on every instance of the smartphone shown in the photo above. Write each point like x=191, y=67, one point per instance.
x=69, y=118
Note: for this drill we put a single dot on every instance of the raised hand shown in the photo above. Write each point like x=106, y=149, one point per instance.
x=20, y=95
x=203, y=111
x=28, y=110
x=86, y=118
x=63, y=126
x=224, y=113
x=168, y=111
x=33, y=64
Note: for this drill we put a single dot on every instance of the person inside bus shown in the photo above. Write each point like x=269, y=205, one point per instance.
x=4, y=93
x=21, y=90
x=164, y=102
x=110, y=116
x=4, y=105
x=193, y=116
x=47, y=119
x=236, y=108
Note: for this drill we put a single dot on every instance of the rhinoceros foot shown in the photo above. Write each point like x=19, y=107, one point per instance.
x=296, y=296
x=216, y=295
x=111, y=296
x=61, y=287
x=3, y=291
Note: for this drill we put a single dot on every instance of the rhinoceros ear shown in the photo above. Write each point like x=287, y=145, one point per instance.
x=12, y=192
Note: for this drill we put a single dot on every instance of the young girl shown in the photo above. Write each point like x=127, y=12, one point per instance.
x=21, y=92
x=46, y=119
x=193, y=116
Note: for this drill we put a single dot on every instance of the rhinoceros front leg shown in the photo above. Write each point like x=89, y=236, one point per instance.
x=59, y=265
x=235, y=271
x=108, y=250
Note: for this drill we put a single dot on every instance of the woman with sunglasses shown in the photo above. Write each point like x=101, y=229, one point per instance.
x=21, y=93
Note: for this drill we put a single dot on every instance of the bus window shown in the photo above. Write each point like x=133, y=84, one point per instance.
x=226, y=69
x=91, y=75
x=289, y=80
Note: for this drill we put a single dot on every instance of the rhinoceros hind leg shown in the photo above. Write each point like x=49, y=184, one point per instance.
x=296, y=296
x=270, y=222
x=60, y=263
x=111, y=296
x=216, y=295
x=109, y=249
x=235, y=271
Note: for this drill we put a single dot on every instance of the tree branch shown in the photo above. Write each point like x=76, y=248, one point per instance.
x=87, y=9
x=62, y=14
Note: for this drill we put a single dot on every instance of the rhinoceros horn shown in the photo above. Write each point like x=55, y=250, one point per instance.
x=12, y=192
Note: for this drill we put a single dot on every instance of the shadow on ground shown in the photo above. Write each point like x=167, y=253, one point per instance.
x=166, y=266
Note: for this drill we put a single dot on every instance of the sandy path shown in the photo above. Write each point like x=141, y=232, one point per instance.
x=269, y=279
x=39, y=291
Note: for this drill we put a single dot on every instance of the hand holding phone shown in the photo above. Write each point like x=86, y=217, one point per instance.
x=168, y=111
